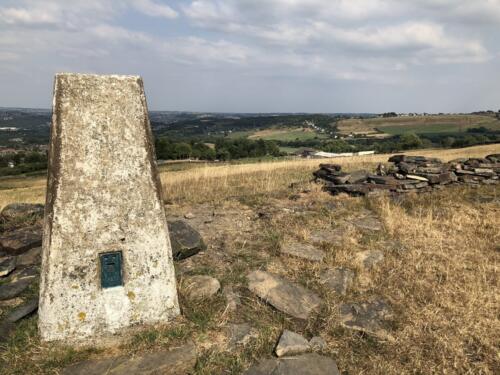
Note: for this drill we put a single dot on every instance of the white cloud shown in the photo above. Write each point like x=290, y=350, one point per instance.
x=153, y=9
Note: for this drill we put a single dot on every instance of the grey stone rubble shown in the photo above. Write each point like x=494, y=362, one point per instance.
x=305, y=364
x=21, y=211
x=233, y=299
x=338, y=279
x=17, y=283
x=411, y=174
x=21, y=311
x=369, y=317
x=291, y=343
x=290, y=298
x=20, y=240
x=7, y=265
x=201, y=286
x=369, y=258
x=185, y=240
x=304, y=251
x=240, y=334
x=176, y=361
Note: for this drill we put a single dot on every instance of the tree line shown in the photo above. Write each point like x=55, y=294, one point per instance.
x=222, y=149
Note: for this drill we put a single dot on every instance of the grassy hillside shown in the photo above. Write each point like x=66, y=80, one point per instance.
x=214, y=181
x=439, y=272
x=417, y=124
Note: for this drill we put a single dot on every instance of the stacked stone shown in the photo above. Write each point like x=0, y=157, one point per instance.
x=410, y=174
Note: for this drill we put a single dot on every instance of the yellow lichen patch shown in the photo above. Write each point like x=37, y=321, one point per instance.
x=131, y=295
x=82, y=316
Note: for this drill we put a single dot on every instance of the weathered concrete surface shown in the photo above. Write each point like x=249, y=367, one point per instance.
x=103, y=195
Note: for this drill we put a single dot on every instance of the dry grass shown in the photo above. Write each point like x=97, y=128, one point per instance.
x=215, y=183
x=218, y=183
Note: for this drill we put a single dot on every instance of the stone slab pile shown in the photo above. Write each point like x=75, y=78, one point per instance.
x=410, y=174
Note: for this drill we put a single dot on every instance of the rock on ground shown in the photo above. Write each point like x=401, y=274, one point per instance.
x=291, y=343
x=20, y=240
x=368, y=317
x=23, y=310
x=290, y=298
x=177, y=361
x=338, y=279
x=30, y=258
x=233, y=300
x=368, y=223
x=305, y=364
x=240, y=334
x=201, y=286
x=303, y=251
x=16, y=211
x=369, y=258
x=7, y=265
x=185, y=240
x=14, y=288
x=334, y=236
x=18, y=282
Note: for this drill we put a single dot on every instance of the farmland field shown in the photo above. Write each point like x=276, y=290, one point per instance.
x=417, y=124
x=287, y=134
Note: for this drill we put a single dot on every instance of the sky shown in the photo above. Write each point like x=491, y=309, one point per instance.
x=261, y=55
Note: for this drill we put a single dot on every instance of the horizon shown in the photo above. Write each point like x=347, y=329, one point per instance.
x=276, y=113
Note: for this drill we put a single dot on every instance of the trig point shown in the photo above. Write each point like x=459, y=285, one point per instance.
x=107, y=261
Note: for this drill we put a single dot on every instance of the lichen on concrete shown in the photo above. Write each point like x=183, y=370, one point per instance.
x=103, y=195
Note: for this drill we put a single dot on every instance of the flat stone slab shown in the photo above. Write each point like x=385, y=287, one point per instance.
x=290, y=298
x=299, y=250
x=368, y=223
x=201, y=286
x=30, y=258
x=185, y=240
x=337, y=279
x=21, y=240
x=17, y=211
x=240, y=334
x=177, y=361
x=291, y=343
x=305, y=364
x=23, y=310
x=334, y=236
x=369, y=258
x=17, y=284
x=368, y=317
x=7, y=265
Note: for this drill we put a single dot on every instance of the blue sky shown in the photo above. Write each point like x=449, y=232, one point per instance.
x=261, y=55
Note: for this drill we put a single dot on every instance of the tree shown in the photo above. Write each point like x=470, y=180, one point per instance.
x=448, y=142
x=410, y=140
x=182, y=150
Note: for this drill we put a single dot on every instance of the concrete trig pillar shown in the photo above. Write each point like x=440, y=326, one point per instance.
x=107, y=261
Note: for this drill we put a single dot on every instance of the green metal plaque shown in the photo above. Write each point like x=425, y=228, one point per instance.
x=111, y=269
